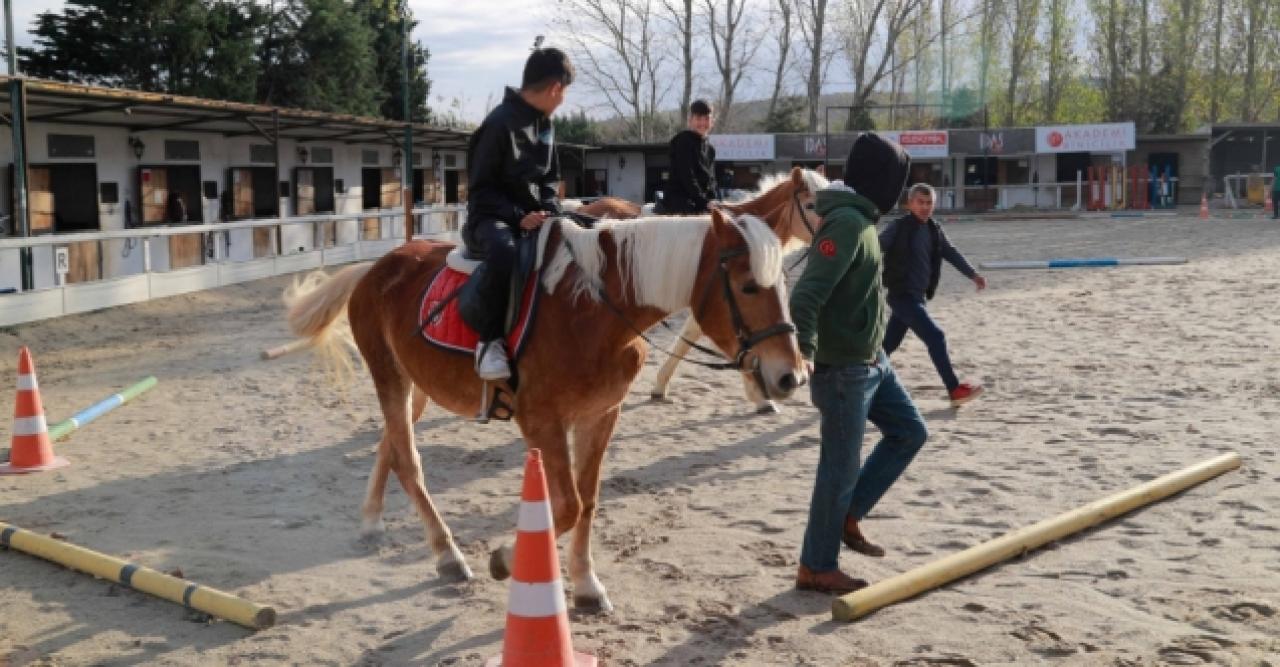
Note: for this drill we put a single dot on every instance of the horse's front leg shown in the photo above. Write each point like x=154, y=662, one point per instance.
x=590, y=439
x=551, y=437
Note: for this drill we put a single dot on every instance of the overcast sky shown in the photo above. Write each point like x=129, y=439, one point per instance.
x=476, y=47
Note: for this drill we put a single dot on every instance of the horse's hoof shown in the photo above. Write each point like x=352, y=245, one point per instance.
x=454, y=572
x=498, y=565
x=655, y=397
x=590, y=605
x=768, y=408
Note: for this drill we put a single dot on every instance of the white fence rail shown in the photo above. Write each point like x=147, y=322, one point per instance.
x=437, y=222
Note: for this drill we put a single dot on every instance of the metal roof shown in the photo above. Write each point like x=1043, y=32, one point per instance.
x=137, y=111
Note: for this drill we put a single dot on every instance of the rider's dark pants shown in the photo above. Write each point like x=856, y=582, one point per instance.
x=494, y=241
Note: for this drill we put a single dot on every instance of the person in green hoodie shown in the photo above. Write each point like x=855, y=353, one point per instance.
x=838, y=307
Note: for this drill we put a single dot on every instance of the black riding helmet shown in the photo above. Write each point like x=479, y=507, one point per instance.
x=877, y=168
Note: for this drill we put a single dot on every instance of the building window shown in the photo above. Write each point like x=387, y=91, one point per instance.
x=70, y=145
x=182, y=149
x=450, y=161
x=262, y=153
x=369, y=156
x=322, y=155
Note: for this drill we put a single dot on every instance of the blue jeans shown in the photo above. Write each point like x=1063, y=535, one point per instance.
x=909, y=312
x=847, y=396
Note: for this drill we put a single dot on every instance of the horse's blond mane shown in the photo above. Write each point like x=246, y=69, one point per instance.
x=813, y=181
x=658, y=257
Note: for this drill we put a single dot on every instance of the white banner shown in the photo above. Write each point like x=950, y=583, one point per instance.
x=1102, y=138
x=921, y=143
x=743, y=147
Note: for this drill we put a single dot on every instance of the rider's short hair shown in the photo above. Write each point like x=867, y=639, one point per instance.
x=700, y=108
x=545, y=67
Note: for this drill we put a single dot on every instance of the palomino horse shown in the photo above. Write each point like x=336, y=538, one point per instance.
x=798, y=189
x=602, y=286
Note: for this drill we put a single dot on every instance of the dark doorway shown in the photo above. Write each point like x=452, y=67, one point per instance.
x=370, y=187
x=160, y=185
x=266, y=202
x=75, y=196
x=419, y=186
x=312, y=190
x=451, y=182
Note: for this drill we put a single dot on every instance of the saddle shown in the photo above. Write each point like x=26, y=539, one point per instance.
x=451, y=312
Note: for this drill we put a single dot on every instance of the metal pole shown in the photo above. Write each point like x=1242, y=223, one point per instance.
x=407, y=179
x=18, y=110
x=21, y=212
x=275, y=144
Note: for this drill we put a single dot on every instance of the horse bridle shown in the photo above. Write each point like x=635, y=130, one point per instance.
x=795, y=198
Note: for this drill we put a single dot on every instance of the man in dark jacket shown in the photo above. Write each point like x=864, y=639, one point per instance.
x=914, y=247
x=692, y=185
x=838, y=310
x=513, y=175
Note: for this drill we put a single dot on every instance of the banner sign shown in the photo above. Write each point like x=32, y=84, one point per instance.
x=743, y=147
x=1102, y=138
x=1013, y=141
x=921, y=143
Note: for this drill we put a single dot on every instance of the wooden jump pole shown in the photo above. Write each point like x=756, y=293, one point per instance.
x=927, y=577
x=287, y=348
x=194, y=596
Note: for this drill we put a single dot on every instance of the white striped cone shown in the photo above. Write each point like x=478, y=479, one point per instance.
x=30, y=450
x=537, y=622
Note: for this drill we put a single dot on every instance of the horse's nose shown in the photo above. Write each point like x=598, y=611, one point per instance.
x=788, y=382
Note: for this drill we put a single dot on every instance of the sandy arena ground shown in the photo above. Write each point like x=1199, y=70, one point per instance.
x=248, y=475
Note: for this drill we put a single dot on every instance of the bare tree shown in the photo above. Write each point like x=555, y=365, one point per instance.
x=811, y=17
x=1183, y=28
x=1058, y=58
x=614, y=46
x=734, y=45
x=1251, y=33
x=1023, y=16
x=870, y=30
x=1215, y=81
x=681, y=17
x=988, y=34
x=780, y=19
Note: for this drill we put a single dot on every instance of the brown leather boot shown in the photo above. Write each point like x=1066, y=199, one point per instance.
x=854, y=540
x=831, y=581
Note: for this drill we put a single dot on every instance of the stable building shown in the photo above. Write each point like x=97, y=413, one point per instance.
x=103, y=159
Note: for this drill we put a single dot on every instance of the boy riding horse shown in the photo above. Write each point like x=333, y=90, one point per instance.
x=514, y=174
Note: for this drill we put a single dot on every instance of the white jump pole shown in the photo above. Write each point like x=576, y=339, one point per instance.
x=1082, y=262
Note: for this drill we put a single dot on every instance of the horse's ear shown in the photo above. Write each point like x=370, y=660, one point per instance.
x=718, y=221
x=797, y=178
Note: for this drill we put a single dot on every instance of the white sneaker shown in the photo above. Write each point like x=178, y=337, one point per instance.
x=491, y=361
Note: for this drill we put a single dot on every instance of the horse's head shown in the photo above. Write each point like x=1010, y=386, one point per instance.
x=741, y=304
x=787, y=204
x=803, y=219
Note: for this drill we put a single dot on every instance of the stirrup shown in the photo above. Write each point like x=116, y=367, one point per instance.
x=495, y=403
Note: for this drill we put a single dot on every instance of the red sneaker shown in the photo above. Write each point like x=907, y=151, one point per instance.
x=964, y=393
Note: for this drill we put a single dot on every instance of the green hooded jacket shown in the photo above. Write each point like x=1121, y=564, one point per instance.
x=838, y=305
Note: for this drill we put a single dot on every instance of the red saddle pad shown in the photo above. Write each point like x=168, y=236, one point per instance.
x=447, y=330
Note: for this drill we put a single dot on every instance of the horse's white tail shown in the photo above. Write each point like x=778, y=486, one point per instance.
x=318, y=313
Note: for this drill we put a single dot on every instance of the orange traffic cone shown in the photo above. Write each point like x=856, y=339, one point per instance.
x=1204, y=206
x=31, y=449
x=537, y=621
